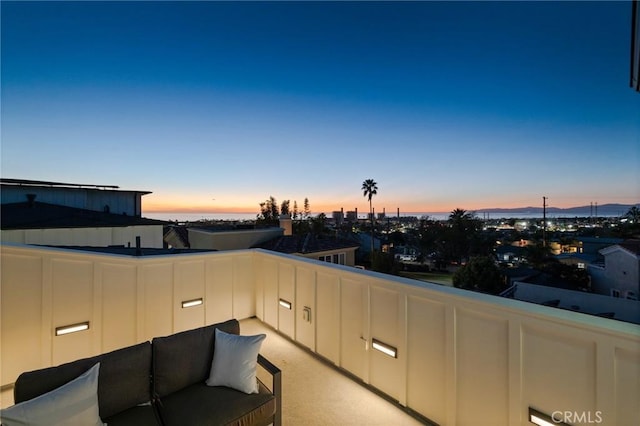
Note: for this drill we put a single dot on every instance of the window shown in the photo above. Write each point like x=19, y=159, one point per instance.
x=338, y=258
x=615, y=292
x=631, y=295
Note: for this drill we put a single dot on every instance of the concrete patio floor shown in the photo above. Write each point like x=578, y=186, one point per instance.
x=315, y=393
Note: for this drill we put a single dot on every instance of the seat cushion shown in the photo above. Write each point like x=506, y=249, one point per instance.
x=143, y=415
x=202, y=405
x=124, y=379
x=184, y=359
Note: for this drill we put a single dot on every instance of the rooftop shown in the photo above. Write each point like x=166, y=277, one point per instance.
x=306, y=243
x=38, y=215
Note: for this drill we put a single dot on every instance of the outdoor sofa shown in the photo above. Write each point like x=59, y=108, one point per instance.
x=164, y=382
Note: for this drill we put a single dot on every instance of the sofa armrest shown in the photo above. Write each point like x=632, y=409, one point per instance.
x=276, y=386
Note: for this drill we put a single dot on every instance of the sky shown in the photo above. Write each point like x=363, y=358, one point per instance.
x=216, y=106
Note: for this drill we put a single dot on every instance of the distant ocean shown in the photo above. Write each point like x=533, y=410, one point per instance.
x=194, y=217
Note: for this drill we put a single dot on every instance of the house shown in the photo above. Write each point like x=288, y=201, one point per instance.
x=593, y=245
x=230, y=238
x=580, y=260
x=327, y=249
x=99, y=198
x=510, y=253
x=620, y=275
x=50, y=213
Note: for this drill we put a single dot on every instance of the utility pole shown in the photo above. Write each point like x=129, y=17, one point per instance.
x=544, y=221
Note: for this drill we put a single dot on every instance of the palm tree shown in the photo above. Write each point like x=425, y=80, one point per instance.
x=369, y=189
x=459, y=216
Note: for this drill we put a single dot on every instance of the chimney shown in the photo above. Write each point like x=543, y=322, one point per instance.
x=285, y=223
x=31, y=198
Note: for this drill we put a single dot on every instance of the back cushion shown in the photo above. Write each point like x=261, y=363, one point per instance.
x=124, y=379
x=183, y=359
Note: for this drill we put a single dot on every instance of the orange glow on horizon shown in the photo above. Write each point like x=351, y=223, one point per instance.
x=165, y=206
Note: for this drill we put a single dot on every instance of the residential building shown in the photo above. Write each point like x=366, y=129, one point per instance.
x=50, y=213
x=326, y=249
x=99, y=198
x=620, y=275
x=230, y=239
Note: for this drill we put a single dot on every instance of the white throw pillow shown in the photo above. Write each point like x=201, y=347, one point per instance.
x=74, y=403
x=235, y=361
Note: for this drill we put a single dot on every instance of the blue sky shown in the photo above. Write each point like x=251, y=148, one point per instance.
x=216, y=106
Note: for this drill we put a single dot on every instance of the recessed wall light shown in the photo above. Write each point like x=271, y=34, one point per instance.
x=191, y=303
x=285, y=304
x=541, y=419
x=73, y=328
x=384, y=348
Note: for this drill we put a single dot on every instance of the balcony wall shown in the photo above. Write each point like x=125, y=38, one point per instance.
x=462, y=358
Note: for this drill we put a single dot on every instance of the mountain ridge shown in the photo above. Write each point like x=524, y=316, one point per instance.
x=610, y=208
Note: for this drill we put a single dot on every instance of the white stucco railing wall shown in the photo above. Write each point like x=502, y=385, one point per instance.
x=125, y=299
x=462, y=358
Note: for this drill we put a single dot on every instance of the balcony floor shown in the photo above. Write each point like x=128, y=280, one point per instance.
x=316, y=394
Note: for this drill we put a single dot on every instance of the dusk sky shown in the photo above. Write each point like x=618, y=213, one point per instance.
x=215, y=106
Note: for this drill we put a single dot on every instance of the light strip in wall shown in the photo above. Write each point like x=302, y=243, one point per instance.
x=285, y=304
x=541, y=419
x=192, y=303
x=73, y=328
x=384, y=348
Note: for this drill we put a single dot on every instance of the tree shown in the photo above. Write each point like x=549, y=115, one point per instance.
x=295, y=210
x=307, y=209
x=269, y=214
x=538, y=255
x=384, y=262
x=462, y=236
x=479, y=274
x=284, y=207
x=629, y=226
x=369, y=189
x=318, y=224
x=633, y=214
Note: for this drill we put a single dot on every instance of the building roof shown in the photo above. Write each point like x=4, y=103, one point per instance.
x=630, y=246
x=586, y=257
x=133, y=251
x=306, y=244
x=504, y=249
x=599, y=240
x=48, y=184
x=37, y=215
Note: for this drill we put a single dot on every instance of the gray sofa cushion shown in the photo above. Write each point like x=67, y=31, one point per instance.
x=144, y=415
x=202, y=405
x=183, y=359
x=124, y=379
